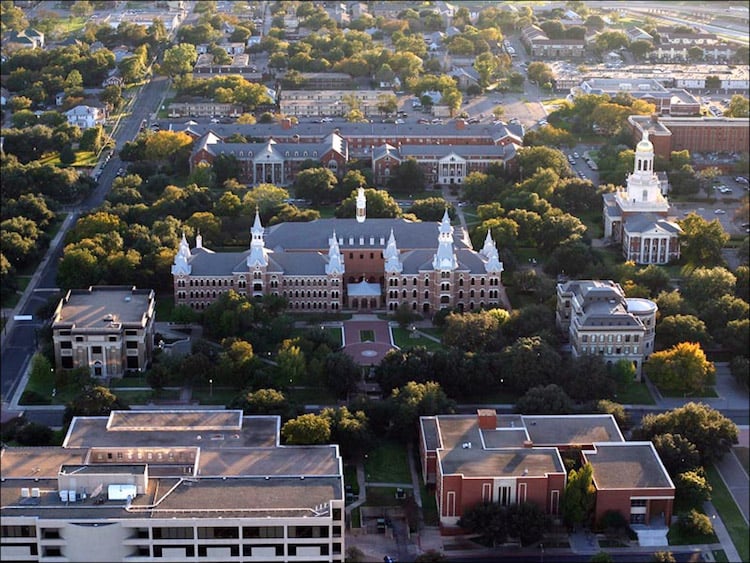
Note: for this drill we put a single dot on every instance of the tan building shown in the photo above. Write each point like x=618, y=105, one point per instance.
x=598, y=319
x=327, y=102
x=107, y=329
x=359, y=263
x=177, y=486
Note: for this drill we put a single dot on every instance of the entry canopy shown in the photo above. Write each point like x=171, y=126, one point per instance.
x=363, y=289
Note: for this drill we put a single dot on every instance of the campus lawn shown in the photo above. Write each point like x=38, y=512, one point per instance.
x=382, y=496
x=709, y=392
x=310, y=396
x=401, y=338
x=387, y=463
x=128, y=381
x=217, y=396
x=43, y=384
x=634, y=393
x=730, y=514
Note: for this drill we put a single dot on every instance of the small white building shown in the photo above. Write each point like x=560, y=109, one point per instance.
x=86, y=117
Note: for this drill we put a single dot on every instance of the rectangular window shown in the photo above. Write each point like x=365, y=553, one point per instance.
x=66, y=345
x=451, y=504
x=131, y=345
x=96, y=349
x=218, y=532
x=584, y=338
x=173, y=533
x=263, y=532
x=486, y=492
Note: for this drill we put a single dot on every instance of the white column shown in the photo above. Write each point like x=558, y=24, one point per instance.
x=661, y=250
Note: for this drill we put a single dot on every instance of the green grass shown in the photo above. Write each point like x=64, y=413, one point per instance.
x=356, y=519
x=350, y=478
x=429, y=506
x=387, y=463
x=634, y=393
x=146, y=397
x=164, y=306
x=720, y=556
x=45, y=383
x=743, y=455
x=383, y=496
x=498, y=397
x=729, y=513
x=311, y=396
x=125, y=382
x=706, y=392
x=402, y=340
x=219, y=396
x=677, y=537
x=83, y=159
x=367, y=336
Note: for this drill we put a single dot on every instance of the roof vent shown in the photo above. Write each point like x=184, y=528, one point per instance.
x=128, y=298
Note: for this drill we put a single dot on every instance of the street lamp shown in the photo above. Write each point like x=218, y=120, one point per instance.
x=210, y=387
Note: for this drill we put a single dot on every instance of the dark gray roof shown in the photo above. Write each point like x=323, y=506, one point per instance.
x=315, y=234
x=205, y=262
x=301, y=263
x=650, y=222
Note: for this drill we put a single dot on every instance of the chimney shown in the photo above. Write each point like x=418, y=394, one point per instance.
x=286, y=123
x=487, y=419
x=460, y=124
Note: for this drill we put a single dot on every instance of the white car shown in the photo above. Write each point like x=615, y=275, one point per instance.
x=720, y=212
x=326, y=120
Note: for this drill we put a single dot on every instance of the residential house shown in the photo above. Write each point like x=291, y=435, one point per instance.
x=86, y=117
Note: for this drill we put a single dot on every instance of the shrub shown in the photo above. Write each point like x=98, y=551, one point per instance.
x=34, y=398
x=695, y=523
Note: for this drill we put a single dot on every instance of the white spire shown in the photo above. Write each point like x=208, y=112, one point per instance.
x=335, y=264
x=445, y=258
x=181, y=265
x=258, y=254
x=392, y=256
x=361, y=205
x=489, y=245
x=198, y=240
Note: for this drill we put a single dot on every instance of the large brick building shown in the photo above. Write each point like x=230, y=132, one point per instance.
x=288, y=145
x=695, y=134
x=508, y=459
x=360, y=263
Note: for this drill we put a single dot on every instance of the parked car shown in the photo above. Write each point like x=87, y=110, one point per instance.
x=720, y=212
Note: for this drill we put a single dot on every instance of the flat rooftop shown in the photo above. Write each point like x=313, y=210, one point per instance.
x=572, y=430
x=175, y=420
x=282, y=461
x=256, y=432
x=100, y=307
x=516, y=462
x=627, y=465
x=37, y=463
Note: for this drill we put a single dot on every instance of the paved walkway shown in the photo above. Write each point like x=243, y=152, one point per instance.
x=721, y=532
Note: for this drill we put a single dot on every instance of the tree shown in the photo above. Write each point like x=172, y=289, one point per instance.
x=162, y=145
x=93, y=401
x=712, y=433
x=407, y=177
x=527, y=522
x=663, y=557
x=677, y=454
x=531, y=159
x=739, y=106
x=640, y=48
x=350, y=430
x=681, y=328
x=692, y=488
x=476, y=332
x=704, y=285
x=179, y=59
x=682, y=368
x=387, y=103
x=291, y=362
x=307, y=429
x=544, y=400
x=601, y=557
x=315, y=184
x=266, y=198
x=579, y=496
x=263, y=401
x=380, y=204
x=487, y=519
x=414, y=400
x=342, y=374
x=702, y=241
x=695, y=523
x=430, y=209
x=429, y=556
x=529, y=361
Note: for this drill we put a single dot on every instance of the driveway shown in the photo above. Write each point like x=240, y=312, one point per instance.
x=367, y=352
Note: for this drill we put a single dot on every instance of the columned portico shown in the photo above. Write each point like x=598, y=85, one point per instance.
x=268, y=173
x=452, y=169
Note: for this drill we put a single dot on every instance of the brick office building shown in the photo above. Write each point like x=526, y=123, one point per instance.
x=508, y=459
x=696, y=134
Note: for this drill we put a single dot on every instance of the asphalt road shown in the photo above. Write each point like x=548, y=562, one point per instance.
x=20, y=340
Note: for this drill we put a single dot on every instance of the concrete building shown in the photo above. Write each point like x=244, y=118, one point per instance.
x=327, y=102
x=598, y=319
x=107, y=329
x=172, y=486
x=509, y=459
x=668, y=101
x=638, y=216
x=695, y=134
x=358, y=263
x=540, y=46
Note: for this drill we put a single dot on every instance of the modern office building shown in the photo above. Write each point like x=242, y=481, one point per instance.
x=509, y=459
x=598, y=319
x=177, y=486
x=358, y=263
x=638, y=218
x=106, y=329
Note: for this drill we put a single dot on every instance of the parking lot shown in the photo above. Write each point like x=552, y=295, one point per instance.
x=724, y=206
